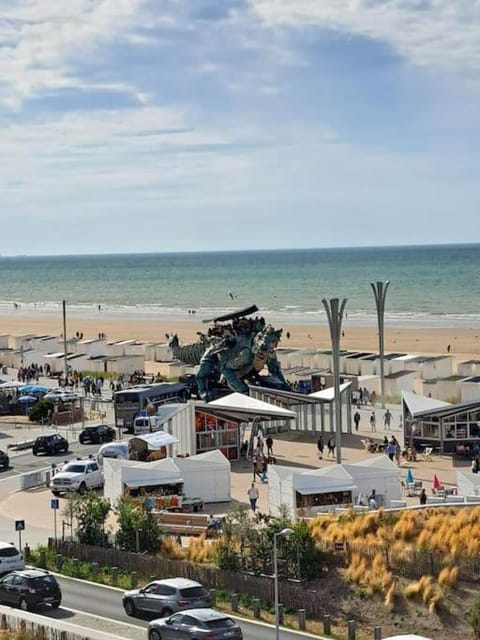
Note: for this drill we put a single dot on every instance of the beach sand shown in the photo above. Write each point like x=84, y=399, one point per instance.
x=464, y=343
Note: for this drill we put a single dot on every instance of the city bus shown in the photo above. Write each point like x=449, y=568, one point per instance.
x=145, y=399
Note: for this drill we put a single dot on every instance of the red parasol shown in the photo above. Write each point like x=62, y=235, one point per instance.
x=436, y=482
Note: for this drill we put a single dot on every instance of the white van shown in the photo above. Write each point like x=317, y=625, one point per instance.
x=112, y=450
x=146, y=424
x=10, y=558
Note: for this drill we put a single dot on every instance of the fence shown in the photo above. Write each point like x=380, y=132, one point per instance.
x=292, y=594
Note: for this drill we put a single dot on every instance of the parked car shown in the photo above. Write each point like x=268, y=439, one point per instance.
x=196, y=624
x=60, y=395
x=96, y=434
x=30, y=588
x=10, y=558
x=4, y=460
x=164, y=597
x=50, y=444
x=79, y=475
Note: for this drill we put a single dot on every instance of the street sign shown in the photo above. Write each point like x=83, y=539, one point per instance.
x=19, y=525
x=54, y=502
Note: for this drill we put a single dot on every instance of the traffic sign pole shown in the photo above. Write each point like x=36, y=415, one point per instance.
x=54, y=504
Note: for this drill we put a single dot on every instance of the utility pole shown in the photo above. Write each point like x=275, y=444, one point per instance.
x=65, y=361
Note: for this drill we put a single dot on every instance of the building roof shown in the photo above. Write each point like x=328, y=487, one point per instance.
x=419, y=404
x=246, y=406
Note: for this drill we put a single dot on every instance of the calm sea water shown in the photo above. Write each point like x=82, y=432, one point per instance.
x=430, y=285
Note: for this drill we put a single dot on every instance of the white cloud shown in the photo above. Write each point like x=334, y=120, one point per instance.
x=40, y=40
x=439, y=33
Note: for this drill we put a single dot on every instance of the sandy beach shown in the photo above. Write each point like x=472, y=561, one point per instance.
x=464, y=342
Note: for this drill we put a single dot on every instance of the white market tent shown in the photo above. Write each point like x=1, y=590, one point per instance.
x=206, y=476
x=329, y=394
x=468, y=484
x=290, y=485
x=119, y=474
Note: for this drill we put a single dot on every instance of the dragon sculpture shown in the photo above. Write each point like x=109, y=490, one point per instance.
x=234, y=354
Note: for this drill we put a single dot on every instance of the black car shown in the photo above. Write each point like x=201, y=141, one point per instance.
x=30, y=588
x=4, y=460
x=96, y=434
x=50, y=444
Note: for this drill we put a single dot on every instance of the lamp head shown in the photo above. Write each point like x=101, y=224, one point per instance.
x=284, y=533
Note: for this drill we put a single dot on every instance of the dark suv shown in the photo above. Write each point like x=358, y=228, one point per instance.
x=96, y=434
x=4, y=460
x=30, y=588
x=50, y=444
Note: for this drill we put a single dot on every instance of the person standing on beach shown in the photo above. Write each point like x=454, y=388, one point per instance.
x=356, y=419
x=373, y=421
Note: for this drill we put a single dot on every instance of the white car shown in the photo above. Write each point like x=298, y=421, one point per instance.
x=10, y=558
x=58, y=395
x=78, y=475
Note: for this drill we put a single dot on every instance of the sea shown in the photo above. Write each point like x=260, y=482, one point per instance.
x=436, y=286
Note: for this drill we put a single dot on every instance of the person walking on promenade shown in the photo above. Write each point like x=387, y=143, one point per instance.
x=387, y=418
x=356, y=419
x=331, y=446
x=320, y=447
x=373, y=421
x=253, y=496
x=269, y=443
x=255, y=469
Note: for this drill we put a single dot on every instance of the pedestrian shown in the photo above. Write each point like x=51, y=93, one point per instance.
x=373, y=421
x=356, y=419
x=264, y=470
x=423, y=497
x=320, y=447
x=253, y=496
x=372, y=500
x=269, y=443
x=391, y=449
x=331, y=446
x=373, y=398
x=255, y=466
x=387, y=418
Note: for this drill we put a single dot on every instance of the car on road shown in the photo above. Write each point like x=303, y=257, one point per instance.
x=50, y=444
x=10, y=558
x=196, y=624
x=4, y=460
x=59, y=395
x=96, y=434
x=164, y=597
x=79, y=475
x=30, y=588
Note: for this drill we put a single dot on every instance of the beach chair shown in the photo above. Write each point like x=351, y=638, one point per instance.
x=427, y=453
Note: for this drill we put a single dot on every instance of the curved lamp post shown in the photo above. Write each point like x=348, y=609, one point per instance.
x=284, y=533
x=334, y=310
x=380, y=292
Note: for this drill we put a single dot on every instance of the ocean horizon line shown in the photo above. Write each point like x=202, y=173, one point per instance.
x=443, y=245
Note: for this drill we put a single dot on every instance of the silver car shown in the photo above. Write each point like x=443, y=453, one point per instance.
x=164, y=597
x=196, y=624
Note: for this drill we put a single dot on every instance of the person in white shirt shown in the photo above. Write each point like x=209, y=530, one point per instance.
x=253, y=496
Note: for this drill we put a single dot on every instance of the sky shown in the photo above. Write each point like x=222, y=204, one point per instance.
x=198, y=125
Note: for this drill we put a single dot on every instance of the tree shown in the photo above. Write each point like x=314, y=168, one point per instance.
x=91, y=514
x=137, y=528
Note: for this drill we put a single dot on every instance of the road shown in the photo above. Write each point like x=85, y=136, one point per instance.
x=104, y=606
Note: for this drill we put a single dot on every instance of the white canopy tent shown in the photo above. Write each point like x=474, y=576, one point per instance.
x=205, y=475
x=336, y=485
x=119, y=474
x=248, y=406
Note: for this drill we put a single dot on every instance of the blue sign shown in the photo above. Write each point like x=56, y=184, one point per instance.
x=19, y=525
x=143, y=413
x=54, y=503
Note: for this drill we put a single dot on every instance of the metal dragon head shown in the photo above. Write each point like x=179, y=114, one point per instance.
x=266, y=340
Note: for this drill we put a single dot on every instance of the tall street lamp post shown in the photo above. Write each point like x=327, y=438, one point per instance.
x=380, y=292
x=284, y=533
x=334, y=310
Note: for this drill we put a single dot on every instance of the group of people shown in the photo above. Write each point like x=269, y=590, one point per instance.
x=330, y=447
x=387, y=419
